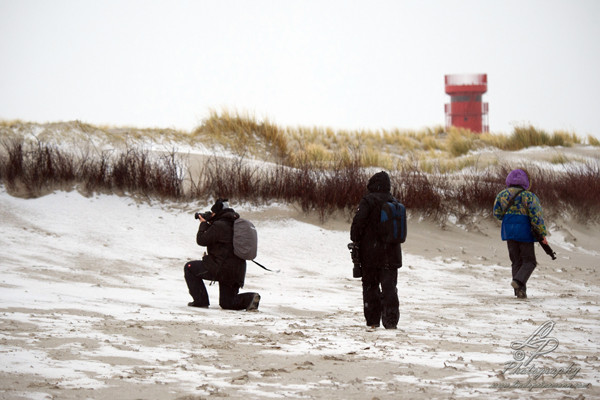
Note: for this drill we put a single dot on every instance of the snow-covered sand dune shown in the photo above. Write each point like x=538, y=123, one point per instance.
x=93, y=305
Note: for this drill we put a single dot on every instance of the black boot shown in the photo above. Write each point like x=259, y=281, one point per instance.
x=520, y=290
x=195, y=304
x=254, y=303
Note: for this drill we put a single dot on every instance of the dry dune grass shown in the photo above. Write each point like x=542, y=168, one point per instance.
x=321, y=169
x=381, y=148
x=245, y=135
x=33, y=169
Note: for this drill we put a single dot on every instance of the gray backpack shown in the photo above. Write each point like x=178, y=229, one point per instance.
x=245, y=239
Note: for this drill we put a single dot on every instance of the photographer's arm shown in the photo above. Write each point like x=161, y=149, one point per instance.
x=205, y=235
x=538, y=227
x=360, y=221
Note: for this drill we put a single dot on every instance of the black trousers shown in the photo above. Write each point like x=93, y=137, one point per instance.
x=195, y=272
x=522, y=257
x=380, y=296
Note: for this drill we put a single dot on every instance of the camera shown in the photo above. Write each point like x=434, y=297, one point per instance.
x=355, y=254
x=206, y=215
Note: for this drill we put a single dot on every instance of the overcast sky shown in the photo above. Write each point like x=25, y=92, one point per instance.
x=340, y=64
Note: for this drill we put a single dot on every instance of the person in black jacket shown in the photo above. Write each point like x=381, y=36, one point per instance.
x=219, y=263
x=379, y=261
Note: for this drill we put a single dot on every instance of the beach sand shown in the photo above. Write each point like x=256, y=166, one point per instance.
x=93, y=305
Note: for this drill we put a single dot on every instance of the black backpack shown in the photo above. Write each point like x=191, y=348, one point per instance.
x=392, y=223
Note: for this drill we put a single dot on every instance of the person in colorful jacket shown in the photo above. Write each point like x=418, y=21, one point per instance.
x=522, y=226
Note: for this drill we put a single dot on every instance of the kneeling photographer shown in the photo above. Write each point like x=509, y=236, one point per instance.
x=219, y=263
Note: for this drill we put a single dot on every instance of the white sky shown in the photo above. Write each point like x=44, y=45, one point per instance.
x=341, y=64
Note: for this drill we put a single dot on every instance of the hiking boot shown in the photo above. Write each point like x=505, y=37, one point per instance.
x=194, y=304
x=254, y=303
x=516, y=285
x=519, y=290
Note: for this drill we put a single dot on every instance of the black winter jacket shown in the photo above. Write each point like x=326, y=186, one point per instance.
x=374, y=253
x=217, y=236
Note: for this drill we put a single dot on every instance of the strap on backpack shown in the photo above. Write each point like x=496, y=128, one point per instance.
x=262, y=266
x=511, y=201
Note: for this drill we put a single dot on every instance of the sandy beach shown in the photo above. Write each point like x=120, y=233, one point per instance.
x=93, y=305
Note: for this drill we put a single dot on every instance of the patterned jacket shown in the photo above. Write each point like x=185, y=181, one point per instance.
x=523, y=217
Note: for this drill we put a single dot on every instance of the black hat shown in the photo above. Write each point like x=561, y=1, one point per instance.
x=219, y=205
x=380, y=182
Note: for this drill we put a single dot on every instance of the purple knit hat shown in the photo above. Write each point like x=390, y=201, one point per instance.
x=518, y=177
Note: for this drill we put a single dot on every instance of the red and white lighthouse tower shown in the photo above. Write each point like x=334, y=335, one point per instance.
x=465, y=109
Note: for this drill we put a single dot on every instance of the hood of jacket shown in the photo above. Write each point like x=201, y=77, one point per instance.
x=518, y=177
x=379, y=183
x=226, y=214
